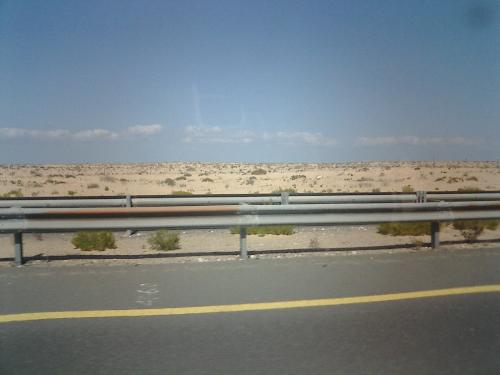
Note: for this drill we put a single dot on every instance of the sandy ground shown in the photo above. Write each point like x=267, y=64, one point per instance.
x=213, y=245
x=206, y=178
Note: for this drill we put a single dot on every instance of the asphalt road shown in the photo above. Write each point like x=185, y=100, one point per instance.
x=457, y=334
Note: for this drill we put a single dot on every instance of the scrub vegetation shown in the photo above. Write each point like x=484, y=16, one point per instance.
x=267, y=229
x=164, y=240
x=405, y=229
x=12, y=194
x=88, y=241
x=472, y=229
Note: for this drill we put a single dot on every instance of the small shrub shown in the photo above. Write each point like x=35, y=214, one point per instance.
x=88, y=241
x=106, y=188
x=472, y=229
x=181, y=192
x=405, y=229
x=107, y=178
x=13, y=194
x=469, y=189
x=169, y=182
x=71, y=192
x=407, y=189
x=490, y=224
x=36, y=173
x=250, y=180
x=259, y=171
x=180, y=178
x=284, y=190
x=376, y=190
x=164, y=240
x=55, y=182
x=92, y=186
x=266, y=229
x=297, y=176
x=207, y=179
x=471, y=178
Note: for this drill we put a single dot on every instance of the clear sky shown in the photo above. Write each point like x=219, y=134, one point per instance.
x=249, y=81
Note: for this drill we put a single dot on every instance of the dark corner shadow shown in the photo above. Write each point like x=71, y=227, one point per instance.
x=49, y=258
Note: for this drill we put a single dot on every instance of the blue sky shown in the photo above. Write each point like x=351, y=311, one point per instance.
x=249, y=81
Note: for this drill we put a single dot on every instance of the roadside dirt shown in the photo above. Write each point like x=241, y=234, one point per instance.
x=220, y=245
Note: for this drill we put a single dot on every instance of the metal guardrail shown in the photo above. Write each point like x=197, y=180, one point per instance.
x=19, y=220
x=229, y=199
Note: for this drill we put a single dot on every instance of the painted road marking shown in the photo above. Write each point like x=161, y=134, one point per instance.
x=51, y=315
x=147, y=294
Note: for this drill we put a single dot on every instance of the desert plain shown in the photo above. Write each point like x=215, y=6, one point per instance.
x=224, y=178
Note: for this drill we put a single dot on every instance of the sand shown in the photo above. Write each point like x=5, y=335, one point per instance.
x=206, y=178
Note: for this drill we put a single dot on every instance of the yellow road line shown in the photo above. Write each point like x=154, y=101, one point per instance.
x=23, y=317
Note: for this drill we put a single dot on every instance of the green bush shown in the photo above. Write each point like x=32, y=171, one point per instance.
x=266, y=229
x=164, y=240
x=407, y=189
x=405, y=229
x=472, y=229
x=13, y=194
x=87, y=241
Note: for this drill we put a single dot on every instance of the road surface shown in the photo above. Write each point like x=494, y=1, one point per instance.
x=370, y=333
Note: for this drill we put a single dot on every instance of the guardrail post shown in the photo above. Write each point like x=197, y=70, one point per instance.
x=243, y=243
x=434, y=234
x=284, y=197
x=421, y=197
x=18, y=249
x=128, y=203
